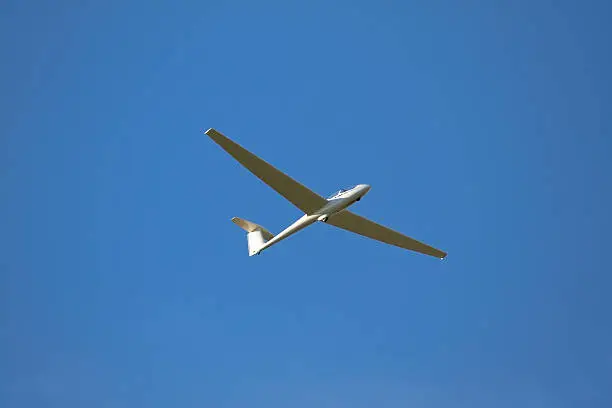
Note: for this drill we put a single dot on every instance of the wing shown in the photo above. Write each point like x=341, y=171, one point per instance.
x=300, y=196
x=352, y=222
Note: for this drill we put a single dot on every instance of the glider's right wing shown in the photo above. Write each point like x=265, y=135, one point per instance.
x=300, y=196
x=352, y=222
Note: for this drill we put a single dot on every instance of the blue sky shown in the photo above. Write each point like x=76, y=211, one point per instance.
x=483, y=128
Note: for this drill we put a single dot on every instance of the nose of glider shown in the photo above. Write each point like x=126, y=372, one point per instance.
x=364, y=187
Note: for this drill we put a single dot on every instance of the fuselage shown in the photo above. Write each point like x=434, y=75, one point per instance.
x=336, y=203
x=341, y=200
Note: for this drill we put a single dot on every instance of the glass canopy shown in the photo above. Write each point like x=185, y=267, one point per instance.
x=342, y=190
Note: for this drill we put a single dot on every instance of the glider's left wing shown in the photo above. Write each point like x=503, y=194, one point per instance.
x=299, y=195
x=352, y=222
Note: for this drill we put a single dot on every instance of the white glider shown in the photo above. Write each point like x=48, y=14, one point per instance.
x=332, y=210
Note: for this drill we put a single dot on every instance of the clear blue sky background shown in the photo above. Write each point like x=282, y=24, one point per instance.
x=483, y=127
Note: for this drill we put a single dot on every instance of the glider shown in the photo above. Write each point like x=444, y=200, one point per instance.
x=331, y=210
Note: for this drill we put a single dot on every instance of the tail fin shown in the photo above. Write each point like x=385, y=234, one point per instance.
x=257, y=235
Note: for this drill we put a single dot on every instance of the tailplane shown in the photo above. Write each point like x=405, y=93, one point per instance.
x=257, y=235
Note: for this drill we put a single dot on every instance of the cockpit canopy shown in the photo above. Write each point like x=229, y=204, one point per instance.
x=342, y=190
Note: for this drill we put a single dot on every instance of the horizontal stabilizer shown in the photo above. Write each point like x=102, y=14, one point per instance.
x=249, y=226
x=257, y=235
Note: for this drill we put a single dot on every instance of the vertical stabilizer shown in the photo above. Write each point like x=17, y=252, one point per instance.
x=257, y=235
